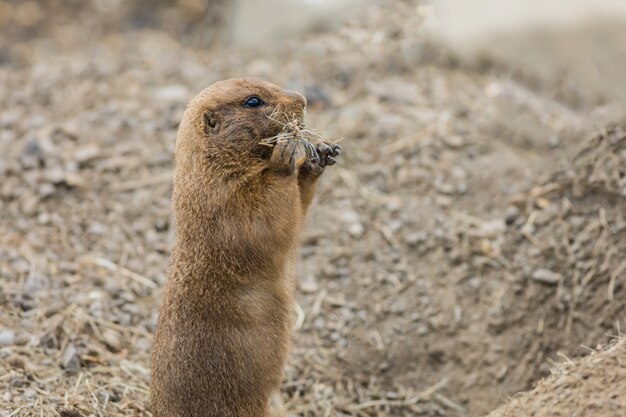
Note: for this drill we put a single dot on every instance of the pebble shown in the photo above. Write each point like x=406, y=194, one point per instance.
x=9, y=118
x=491, y=228
x=554, y=141
x=20, y=265
x=55, y=175
x=74, y=180
x=415, y=238
x=353, y=221
x=7, y=337
x=511, y=214
x=34, y=283
x=454, y=141
x=112, y=339
x=46, y=190
x=29, y=394
x=71, y=360
x=97, y=229
x=308, y=284
x=86, y=154
x=546, y=276
x=32, y=149
x=356, y=229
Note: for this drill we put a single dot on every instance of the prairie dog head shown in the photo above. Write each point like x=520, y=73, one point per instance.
x=235, y=115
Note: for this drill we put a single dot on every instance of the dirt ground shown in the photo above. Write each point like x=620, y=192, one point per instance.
x=471, y=236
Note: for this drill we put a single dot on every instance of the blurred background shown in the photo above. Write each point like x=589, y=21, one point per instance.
x=471, y=235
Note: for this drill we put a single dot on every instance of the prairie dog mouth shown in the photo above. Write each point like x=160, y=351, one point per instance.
x=294, y=129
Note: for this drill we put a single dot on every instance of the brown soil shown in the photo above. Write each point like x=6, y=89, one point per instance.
x=473, y=230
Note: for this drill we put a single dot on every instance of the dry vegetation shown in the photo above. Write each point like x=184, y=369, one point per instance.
x=295, y=130
x=592, y=387
x=472, y=234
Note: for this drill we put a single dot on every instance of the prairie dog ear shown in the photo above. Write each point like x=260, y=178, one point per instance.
x=210, y=122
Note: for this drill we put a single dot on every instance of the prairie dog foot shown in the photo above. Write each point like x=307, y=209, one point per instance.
x=322, y=155
x=284, y=156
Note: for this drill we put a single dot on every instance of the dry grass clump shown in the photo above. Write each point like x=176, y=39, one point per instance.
x=294, y=129
x=82, y=374
x=592, y=386
x=602, y=162
x=576, y=220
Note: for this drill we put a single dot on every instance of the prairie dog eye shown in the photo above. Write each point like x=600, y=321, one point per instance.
x=253, y=102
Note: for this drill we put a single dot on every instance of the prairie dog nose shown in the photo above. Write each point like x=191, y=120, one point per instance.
x=299, y=98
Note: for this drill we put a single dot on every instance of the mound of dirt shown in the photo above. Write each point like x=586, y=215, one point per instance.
x=592, y=387
x=563, y=251
x=543, y=277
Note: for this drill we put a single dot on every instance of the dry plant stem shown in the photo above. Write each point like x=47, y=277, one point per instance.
x=295, y=130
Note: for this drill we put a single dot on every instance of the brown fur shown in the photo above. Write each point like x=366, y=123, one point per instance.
x=224, y=328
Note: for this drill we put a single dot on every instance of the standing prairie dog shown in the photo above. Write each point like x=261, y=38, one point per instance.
x=223, y=333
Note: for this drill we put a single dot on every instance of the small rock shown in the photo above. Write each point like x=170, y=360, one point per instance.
x=30, y=204
x=500, y=374
x=308, y=284
x=546, y=276
x=66, y=412
x=71, y=360
x=356, y=229
x=7, y=135
x=542, y=203
x=474, y=282
x=7, y=337
x=9, y=118
x=112, y=339
x=554, y=141
x=46, y=190
x=16, y=362
x=97, y=229
x=29, y=394
x=353, y=221
x=32, y=148
x=142, y=344
x=454, y=141
x=74, y=180
x=55, y=175
x=422, y=329
x=152, y=321
x=32, y=154
x=86, y=154
x=161, y=225
x=415, y=238
x=491, y=229
x=444, y=187
x=413, y=52
x=511, y=214
x=37, y=120
x=443, y=201
x=20, y=265
x=319, y=323
x=34, y=283
x=350, y=216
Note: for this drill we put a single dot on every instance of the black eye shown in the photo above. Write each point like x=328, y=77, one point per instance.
x=253, y=102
